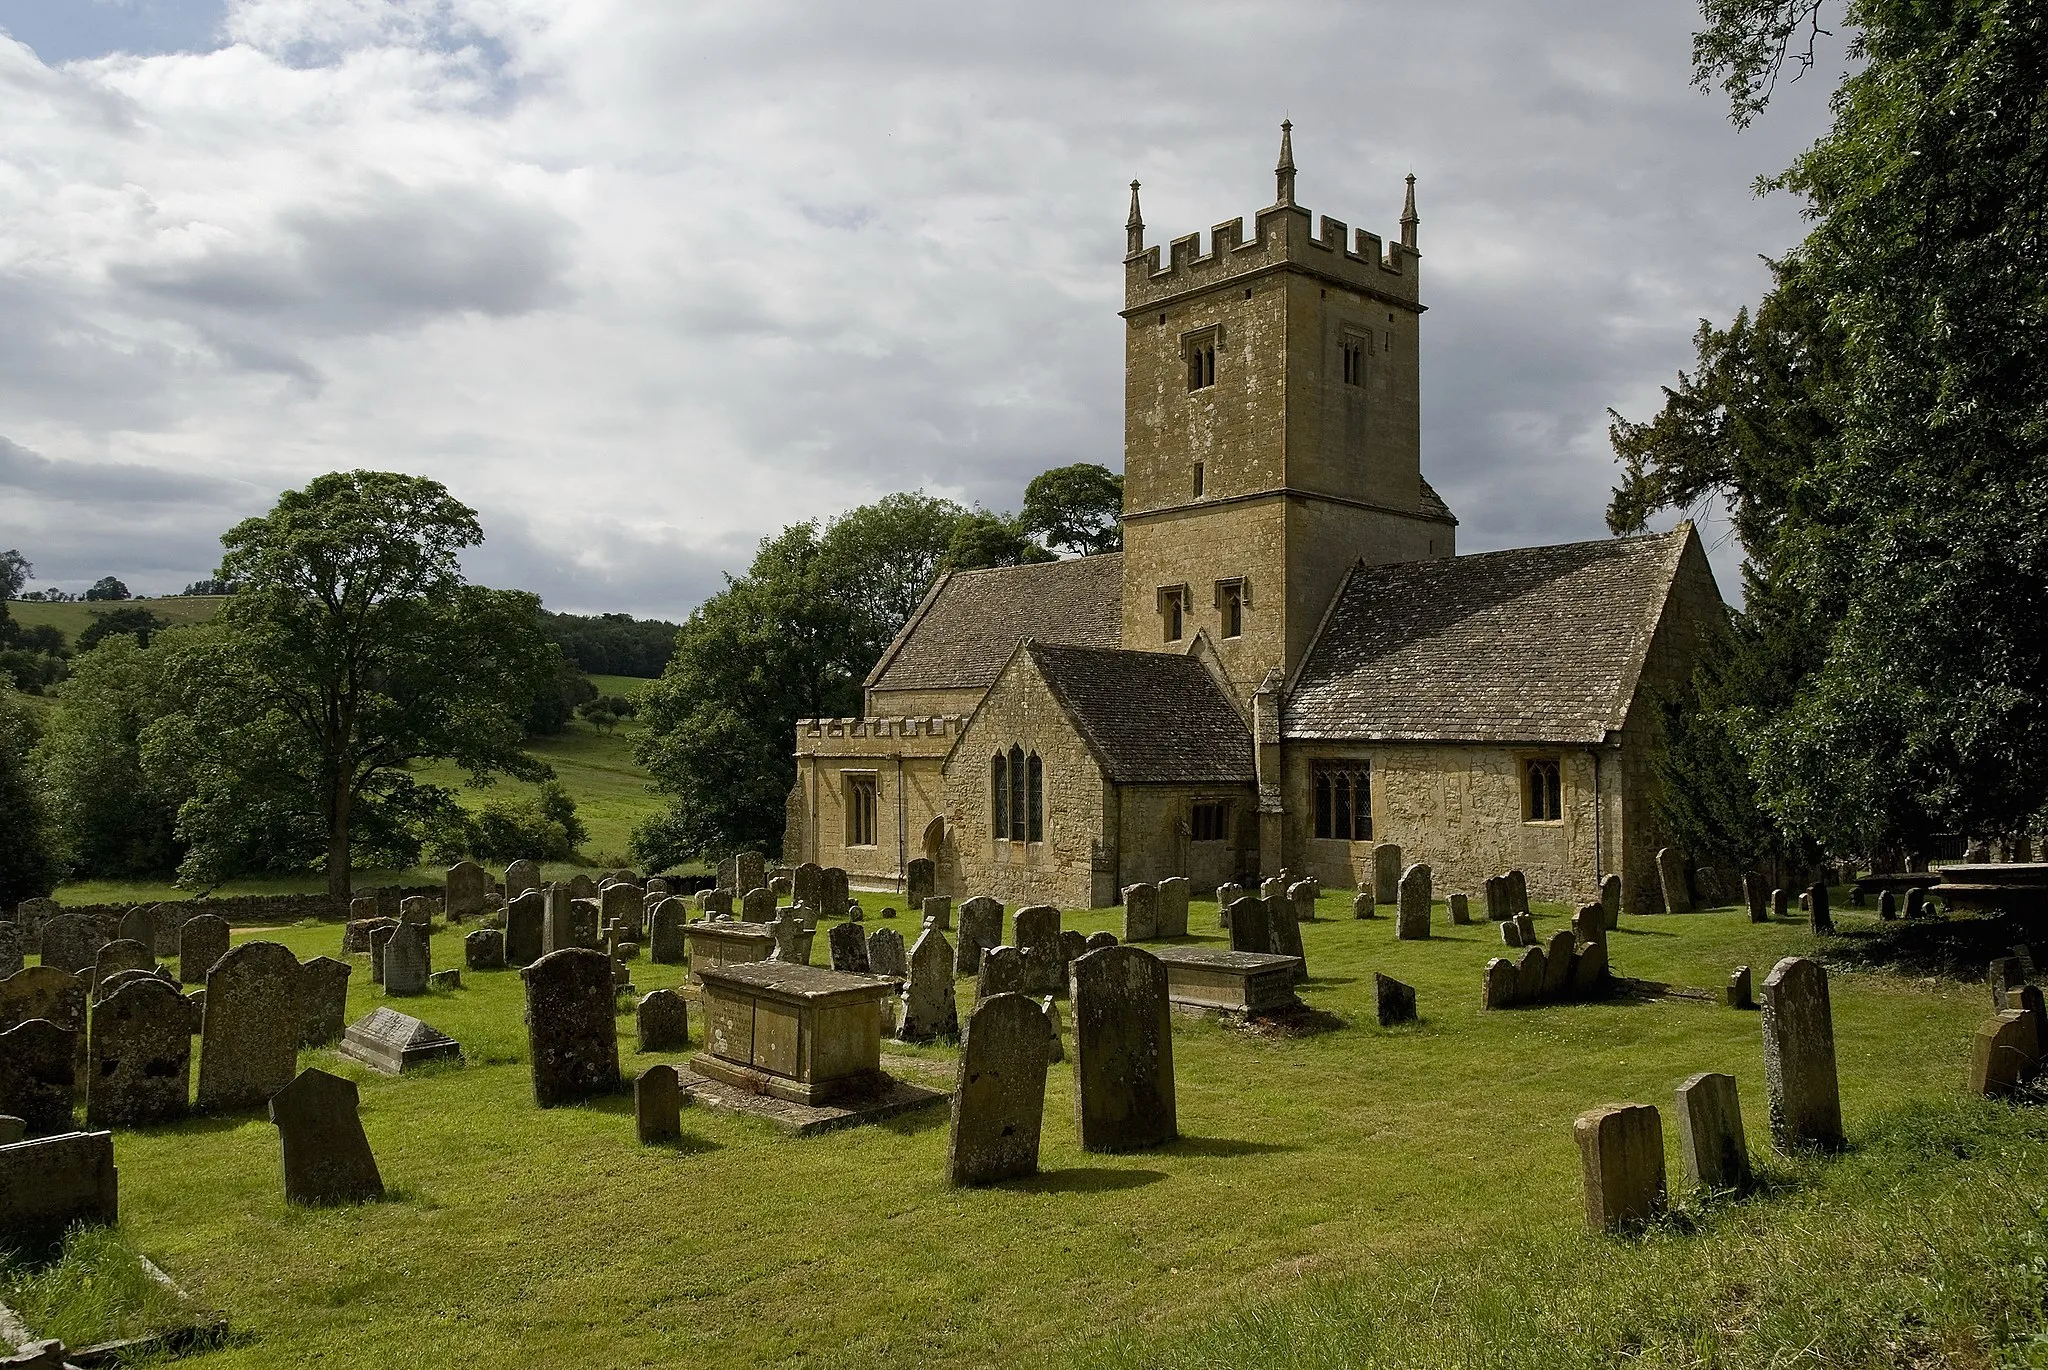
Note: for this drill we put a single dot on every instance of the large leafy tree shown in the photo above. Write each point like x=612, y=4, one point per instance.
x=352, y=649
x=28, y=856
x=1079, y=508
x=1902, y=532
x=111, y=819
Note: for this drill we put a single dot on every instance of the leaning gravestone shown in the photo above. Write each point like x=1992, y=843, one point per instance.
x=71, y=943
x=521, y=877
x=1173, y=906
x=929, y=1012
x=571, y=1031
x=981, y=927
x=324, y=982
x=1821, y=920
x=665, y=933
x=1123, y=1051
x=525, y=928
x=140, y=1059
x=408, y=961
x=999, y=1092
x=1671, y=881
x=1097, y=941
x=1610, y=900
x=327, y=1157
x=1621, y=1161
x=1141, y=912
x=1394, y=1002
x=249, y=1037
x=120, y=955
x=849, y=948
x=885, y=954
x=1710, y=1136
x=1799, y=1057
x=1412, y=916
x=920, y=882
x=1386, y=873
x=1756, y=896
x=1285, y=933
x=1740, y=994
x=484, y=949
x=465, y=891
x=202, y=941
x=38, y=1076
x=1251, y=927
x=658, y=1106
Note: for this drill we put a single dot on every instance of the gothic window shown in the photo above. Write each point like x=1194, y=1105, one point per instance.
x=1343, y=800
x=1198, y=349
x=1210, y=820
x=1230, y=601
x=1545, y=790
x=1354, y=359
x=999, y=795
x=1034, y=800
x=1019, y=821
x=860, y=809
x=1172, y=610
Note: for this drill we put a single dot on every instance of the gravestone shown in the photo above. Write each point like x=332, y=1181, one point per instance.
x=806, y=884
x=1302, y=894
x=139, y=925
x=445, y=981
x=920, y=882
x=1511, y=933
x=1040, y=941
x=363, y=909
x=45, y=992
x=715, y=903
x=1273, y=887
x=981, y=927
x=408, y=961
x=521, y=877
x=833, y=895
x=120, y=955
x=1518, y=892
x=1460, y=910
x=1098, y=940
x=1500, y=985
x=1799, y=1057
x=999, y=1091
x=2006, y=973
x=1671, y=881
x=2004, y=1053
x=1821, y=920
x=484, y=949
x=327, y=1156
x=1251, y=927
x=380, y=942
x=1610, y=899
x=1284, y=933
x=661, y=1021
x=658, y=1106
x=1393, y=1001
x=750, y=871
x=139, y=1063
x=586, y=924
x=849, y=948
x=1495, y=891
x=581, y=886
x=757, y=905
x=1621, y=1162
x=571, y=1032
x=1229, y=892
x=928, y=1011
x=525, y=928
x=621, y=907
x=792, y=939
x=324, y=983
x=12, y=958
x=1123, y=1051
x=1141, y=912
x=39, y=1075
x=465, y=891
x=1002, y=972
x=355, y=938
x=1779, y=904
x=392, y=1042
x=202, y=940
x=1386, y=873
x=781, y=886
x=885, y=954
x=416, y=910
x=71, y=943
x=1916, y=902
x=1710, y=1139
x=1526, y=928
x=1589, y=924
x=1173, y=906
x=249, y=1036
x=665, y=933
x=1362, y=905
x=1412, y=897
x=1073, y=946
x=50, y=1184
x=1529, y=976
x=937, y=910
x=1740, y=994
x=1756, y=896
x=1887, y=905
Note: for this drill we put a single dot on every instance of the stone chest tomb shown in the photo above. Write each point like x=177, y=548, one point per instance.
x=1230, y=981
x=796, y=1032
x=726, y=943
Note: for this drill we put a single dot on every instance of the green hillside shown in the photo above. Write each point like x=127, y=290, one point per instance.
x=74, y=618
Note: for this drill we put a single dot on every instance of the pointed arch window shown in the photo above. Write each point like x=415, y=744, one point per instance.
x=1034, y=799
x=1018, y=822
x=1545, y=785
x=1017, y=796
x=999, y=795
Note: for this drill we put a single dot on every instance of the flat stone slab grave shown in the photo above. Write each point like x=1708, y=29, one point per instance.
x=894, y=1096
x=712, y=944
x=393, y=1043
x=1229, y=981
x=801, y=1033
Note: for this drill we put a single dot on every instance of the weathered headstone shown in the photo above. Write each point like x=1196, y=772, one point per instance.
x=465, y=891
x=526, y=928
x=1527, y=928
x=1412, y=898
x=1393, y=1001
x=1097, y=941
x=833, y=896
x=715, y=903
x=2006, y=973
x=757, y=905
x=521, y=877
x=1284, y=932
x=1459, y=908
x=327, y=1156
x=1302, y=894
x=1273, y=887
x=393, y=1043
x=658, y=1106
x=2004, y=1054
x=661, y=1021
x=1671, y=881
x=1501, y=984
x=1123, y=1051
x=1887, y=905
x=751, y=870
x=1038, y=940
x=1779, y=905
x=781, y=886
x=119, y=955
x=1141, y=912
x=1495, y=893
x=323, y=981
x=920, y=882
x=999, y=1091
x=71, y=943
x=937, y=911
x=1740, y=993
x=586, y=923
x=484, y=949
x=665, y=945
x=138, y=925
x=582, y=886
x=1588, y=978
x=140, y=1060
x=380, y=942
x=1529, y=976
x=1229, y=892
x=45, y=992
x=1710, y=1137
x=1518, y=892
x=621, y=908
x=50, y=1184
x=1173, y=906
x=849, y=948
x=792, y=939
x=1756, y=896
x=1610, y=899
x=981, y=927
x=1511, y=933
x=12, y=957
x=1002, y=972
x=39, y=1076
x=806, y=884
x=416, y=910
x=363, y=908
x=1799, y=1057
x=1251, y=927
x=885, y=954
x=1621, y=1161
x=1822, y=920
x=929, y=1012
x=1916, y=902
x=1386, y=873
x=1557, y=964
x=249, y=1036
x=408, y=960
x=202, y=940
x=444, y=981
x=1073, y=946
x=571, y=1032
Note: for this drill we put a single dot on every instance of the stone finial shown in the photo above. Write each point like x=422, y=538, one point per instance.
x=1408, y=216
x=1134, y=227
x=1283, y=174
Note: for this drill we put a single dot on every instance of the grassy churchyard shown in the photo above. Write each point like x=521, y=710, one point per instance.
x=1357, y=1196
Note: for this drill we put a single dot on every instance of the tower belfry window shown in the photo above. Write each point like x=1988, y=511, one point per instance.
x=1199, y=351
x=1354, y=360
x=1230, y=602
x=1173, y=603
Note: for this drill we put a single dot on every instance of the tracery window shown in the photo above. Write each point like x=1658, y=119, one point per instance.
x=1544, y=790
x=1343, y=799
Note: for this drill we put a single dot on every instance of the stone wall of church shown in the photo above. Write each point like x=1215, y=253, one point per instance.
x=903, y=758
x=1155, y=835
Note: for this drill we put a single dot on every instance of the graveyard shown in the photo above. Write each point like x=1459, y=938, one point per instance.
x=1338, y=1191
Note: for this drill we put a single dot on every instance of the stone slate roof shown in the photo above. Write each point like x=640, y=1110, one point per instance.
x=1433, y=505
x=1531, y=645
x=971, y=621
x=1150, y=717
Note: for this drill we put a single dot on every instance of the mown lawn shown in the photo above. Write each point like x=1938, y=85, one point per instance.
x=1361, y=1196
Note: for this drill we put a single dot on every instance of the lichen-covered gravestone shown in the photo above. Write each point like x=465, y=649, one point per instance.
x=71, y=943
x=1411, y=920
x=938, y=912
x=139, y=1063
x=202, y=940
x=1123, y=1051
x=920, y=882
x=416, y=910
x=139, y=925
x=1251, y=929
x=1038, y=939
x=1621, y=1160
x=408, y=961
x=1671, y=881
x=929, y=1012
x=621, y=908
x=525, y=928
x=1386, y=873
x=119, y=955
x=661, y=1021
x=1710, y=1138
x=999, y=1091
x=1173, y=906
x=981, y=927
x=1799, y=1057
x=1141, y=912
x=484, y=949
x=753, y=870
x=465, y=891
x=849, y=948
x=658, y=1105
x=885, y=953
x=1284, y=932
x=327, y=1156
x=249, y=1037
x=38, y=1075
x=324, y=982
x=520, y=877
x=806, y=884
x=665, y=933
x=1002, y=972
x=571, y=1032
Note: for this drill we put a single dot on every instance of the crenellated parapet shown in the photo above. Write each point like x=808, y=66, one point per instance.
x=891, y=736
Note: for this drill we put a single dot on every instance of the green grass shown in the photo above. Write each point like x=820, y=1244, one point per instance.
x=1362, y=1196
x=74, y=618
x=97, y=1291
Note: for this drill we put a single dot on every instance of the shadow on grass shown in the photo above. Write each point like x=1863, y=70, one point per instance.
x=686, y=1145
x=1225, y=1146
x=1626, y=931
x=1957, y=946
x=918, y=1120
x=1085, y=1180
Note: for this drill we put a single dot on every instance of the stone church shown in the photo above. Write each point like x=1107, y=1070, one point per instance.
x=1288, y=662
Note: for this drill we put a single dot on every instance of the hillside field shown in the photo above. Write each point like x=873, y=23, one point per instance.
x=74, y=618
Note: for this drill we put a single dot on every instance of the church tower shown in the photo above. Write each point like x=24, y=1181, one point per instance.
x=1272, y=429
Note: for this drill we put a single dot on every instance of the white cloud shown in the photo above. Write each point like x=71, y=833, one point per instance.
x=644, y=282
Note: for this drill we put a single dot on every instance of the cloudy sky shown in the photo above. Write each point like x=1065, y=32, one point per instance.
x=643, y=280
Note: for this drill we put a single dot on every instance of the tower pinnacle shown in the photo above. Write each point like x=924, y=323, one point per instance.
x=1408, y=216
x=1283, y=174
x=1134, y=227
